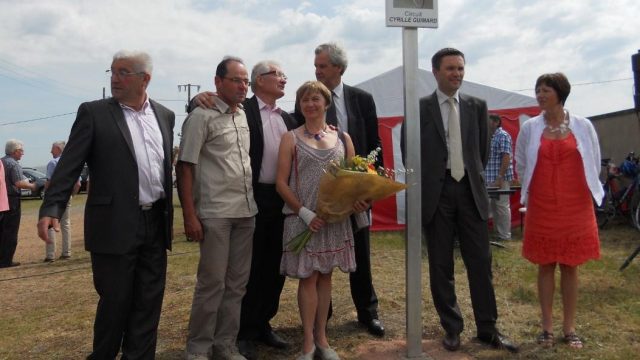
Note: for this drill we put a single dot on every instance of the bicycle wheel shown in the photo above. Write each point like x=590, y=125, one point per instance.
x=606, y=211
x=634, y=211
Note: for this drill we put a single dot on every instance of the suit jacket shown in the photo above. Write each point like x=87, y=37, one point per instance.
x=362, y=119
x=101, y=138
x=256, y=146
x=434, y=153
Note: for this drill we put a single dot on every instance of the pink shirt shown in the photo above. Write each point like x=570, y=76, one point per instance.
x=4, y=199
x=273, y=128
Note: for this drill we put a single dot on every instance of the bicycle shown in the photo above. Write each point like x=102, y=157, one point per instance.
x=620, y=199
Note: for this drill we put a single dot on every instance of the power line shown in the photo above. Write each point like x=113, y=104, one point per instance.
x=586, y=83
x=36, y=119
x=281, y=101
x=32, y=78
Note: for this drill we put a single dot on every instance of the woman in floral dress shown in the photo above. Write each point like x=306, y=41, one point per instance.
x=304, y=154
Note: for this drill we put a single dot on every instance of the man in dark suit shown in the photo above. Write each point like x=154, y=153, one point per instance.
x=126, y=141
x=353, y=111
x=267, y=123
x=454, y=150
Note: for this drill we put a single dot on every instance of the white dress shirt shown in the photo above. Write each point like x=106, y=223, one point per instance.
x=341, y=107
x=147, y=144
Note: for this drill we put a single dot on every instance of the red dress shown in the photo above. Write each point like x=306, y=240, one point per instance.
x=560, y=226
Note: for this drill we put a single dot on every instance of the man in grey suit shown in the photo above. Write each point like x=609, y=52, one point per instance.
x=126, y=141
x=454, y=150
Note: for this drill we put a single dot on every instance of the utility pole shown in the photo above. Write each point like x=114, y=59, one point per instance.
x=104, y=92
x=188, y=88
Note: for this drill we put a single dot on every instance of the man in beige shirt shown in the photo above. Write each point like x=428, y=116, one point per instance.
x=214, y=185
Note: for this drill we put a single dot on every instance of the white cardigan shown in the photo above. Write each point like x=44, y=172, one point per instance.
x=528, y=144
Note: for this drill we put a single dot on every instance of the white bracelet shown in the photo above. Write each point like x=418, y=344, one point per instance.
x=306, y=215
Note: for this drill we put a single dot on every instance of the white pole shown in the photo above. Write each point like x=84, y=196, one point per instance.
x=413, y=209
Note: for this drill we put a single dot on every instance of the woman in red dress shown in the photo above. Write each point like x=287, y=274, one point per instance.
x=558, y=161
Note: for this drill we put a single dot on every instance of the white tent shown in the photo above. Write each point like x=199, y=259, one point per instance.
x=388, y=92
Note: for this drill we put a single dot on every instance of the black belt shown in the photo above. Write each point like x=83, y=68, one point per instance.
x=150, y=206
x=448, y=173
x=263, y=186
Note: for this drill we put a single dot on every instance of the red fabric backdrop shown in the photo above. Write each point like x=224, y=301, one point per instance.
x=386, y=215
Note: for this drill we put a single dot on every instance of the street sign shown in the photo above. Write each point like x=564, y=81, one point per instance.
x=412, y=13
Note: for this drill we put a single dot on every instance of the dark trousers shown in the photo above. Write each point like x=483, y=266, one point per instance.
x=131, y=288
x=457, y=214
x=9, y=226
x=362, y=291
x=262, y=299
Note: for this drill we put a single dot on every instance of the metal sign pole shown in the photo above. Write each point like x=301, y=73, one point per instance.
x=413, y=234
x=411, y=15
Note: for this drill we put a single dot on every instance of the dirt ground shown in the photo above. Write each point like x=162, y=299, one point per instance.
x=55, y=304
x=31, y=252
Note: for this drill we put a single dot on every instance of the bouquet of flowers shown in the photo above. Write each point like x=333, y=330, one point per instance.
x=342, y=184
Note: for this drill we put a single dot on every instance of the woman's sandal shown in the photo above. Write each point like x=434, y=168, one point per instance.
x=546, y=339
x=572, y=340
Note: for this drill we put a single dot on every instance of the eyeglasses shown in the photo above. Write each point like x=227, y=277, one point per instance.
x=279, y=74
x=121, y=74
x=239, y=81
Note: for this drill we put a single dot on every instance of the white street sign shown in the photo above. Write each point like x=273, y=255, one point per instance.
x=412, y=13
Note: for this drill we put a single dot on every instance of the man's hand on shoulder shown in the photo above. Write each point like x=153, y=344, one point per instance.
x=205, y=100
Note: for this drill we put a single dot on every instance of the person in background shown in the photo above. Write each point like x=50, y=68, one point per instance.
x=215, y=187
x=499, y=173
x=65, y=220
x=14, y=180
x=126, y=141
x=304, y=154
x=558, y=161
x=4, y=199
x=353, y=111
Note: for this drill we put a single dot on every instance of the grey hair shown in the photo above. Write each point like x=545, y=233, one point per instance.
x=141, y=60
x=60, y=144
x=12, y=146
x=261, y=68
x=337, y=55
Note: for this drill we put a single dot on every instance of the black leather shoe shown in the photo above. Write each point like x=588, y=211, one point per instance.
x=270, y=338
x=13, y=263
x=498, y=341
x=248, y=349
x=451, y=342
x=375, y=327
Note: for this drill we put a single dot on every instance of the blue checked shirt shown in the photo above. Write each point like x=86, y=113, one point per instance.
x=500, y=145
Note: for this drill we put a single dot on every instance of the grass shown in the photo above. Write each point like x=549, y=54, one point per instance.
x=48, y=309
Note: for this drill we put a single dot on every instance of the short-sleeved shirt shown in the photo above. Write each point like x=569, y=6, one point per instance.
x=12, y=174
x=52, y=166
x=217, y=142
x=500, y=145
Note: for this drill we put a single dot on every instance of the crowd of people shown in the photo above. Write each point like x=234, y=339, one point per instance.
x=248, y=176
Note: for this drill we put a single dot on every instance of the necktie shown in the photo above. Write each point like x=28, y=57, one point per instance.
x=332, y=117
x=455, y=142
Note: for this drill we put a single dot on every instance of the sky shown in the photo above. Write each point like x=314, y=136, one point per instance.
x=54, y=53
